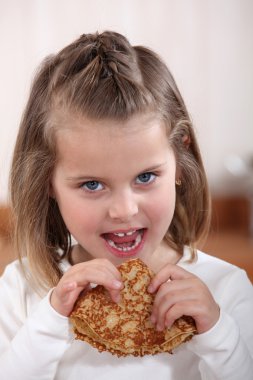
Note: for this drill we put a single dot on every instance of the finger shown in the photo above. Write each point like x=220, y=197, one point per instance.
x=115, y=295
x=108, y=275
x=64, y=297
x=162, y=307
x=167, y=314
x=106, y=265
x=177, y=311
x=70, y=287
x=79, y=278
x=113, y=290
x=174, y=291
x=95, y=275
x=66, y=293
x=167, y=296
x=159, y=305
x=168, y=273
x=100, y=272
x=62, y=290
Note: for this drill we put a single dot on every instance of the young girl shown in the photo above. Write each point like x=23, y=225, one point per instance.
x=106, y=156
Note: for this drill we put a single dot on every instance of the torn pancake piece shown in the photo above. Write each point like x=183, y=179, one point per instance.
x=125, y=328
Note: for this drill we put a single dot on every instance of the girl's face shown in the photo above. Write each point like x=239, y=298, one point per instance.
x=114, y=183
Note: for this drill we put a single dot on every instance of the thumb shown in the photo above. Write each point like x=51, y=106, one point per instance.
x=115, y=295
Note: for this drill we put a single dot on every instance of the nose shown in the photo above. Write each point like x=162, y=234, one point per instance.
x=123, y=206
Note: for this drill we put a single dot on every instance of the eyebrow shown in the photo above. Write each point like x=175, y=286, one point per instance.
x=154, y=167
x=95, y=178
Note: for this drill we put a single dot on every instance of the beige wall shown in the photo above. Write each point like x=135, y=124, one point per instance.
x=208, y=44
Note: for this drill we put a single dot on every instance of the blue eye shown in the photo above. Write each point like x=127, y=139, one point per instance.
x=92, y=186
x=145, y=178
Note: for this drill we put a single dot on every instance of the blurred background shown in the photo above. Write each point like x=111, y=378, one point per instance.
x=208, y=46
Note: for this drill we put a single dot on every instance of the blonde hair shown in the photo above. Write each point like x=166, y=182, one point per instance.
x=98, y=76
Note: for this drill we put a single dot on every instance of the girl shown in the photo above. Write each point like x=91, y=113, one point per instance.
x=106, y=154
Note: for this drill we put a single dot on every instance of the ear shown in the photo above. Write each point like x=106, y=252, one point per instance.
x=186, y=140
x=178, y=176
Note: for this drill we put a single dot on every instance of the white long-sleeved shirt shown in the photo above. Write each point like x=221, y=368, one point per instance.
x=37, y=343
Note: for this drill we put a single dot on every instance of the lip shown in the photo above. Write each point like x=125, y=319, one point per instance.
x=132, y=252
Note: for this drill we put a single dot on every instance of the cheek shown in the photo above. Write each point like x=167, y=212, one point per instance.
x=162, y=206
x=85, y=220
x=79, y=216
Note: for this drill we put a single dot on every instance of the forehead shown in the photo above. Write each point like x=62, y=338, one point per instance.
x=106, y=142
x=69, y=126
x=67, y=122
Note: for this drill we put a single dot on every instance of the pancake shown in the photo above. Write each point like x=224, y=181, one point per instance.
x=125, y=328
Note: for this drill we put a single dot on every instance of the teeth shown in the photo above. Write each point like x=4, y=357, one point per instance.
x=130, y=233
x=122, y=234
x=126, y=249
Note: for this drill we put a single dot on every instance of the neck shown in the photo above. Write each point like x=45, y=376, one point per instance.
x=162, y=256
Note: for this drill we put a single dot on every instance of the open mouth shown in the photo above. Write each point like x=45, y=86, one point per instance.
x=125, y=243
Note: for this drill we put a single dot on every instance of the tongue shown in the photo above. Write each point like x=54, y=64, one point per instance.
x=121, y=240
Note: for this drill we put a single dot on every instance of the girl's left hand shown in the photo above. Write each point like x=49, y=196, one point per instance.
x=178, y=293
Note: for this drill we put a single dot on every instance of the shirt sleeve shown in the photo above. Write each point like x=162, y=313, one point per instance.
x=226, y=351
x=31, y=346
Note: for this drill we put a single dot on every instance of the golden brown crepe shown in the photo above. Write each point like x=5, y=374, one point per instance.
x=125, y=328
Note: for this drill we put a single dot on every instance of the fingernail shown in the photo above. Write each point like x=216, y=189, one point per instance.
x=167, y=325
x=150, y=288
x=159, y=328
x=117, y=284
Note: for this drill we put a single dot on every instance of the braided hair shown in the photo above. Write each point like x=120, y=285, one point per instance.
x=98, y=76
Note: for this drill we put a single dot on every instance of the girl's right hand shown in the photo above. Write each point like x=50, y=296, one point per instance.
x=79, y=277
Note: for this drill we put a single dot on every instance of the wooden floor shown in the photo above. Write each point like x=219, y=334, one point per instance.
x=6, y=253
x=231, y=239
x=234, y=247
